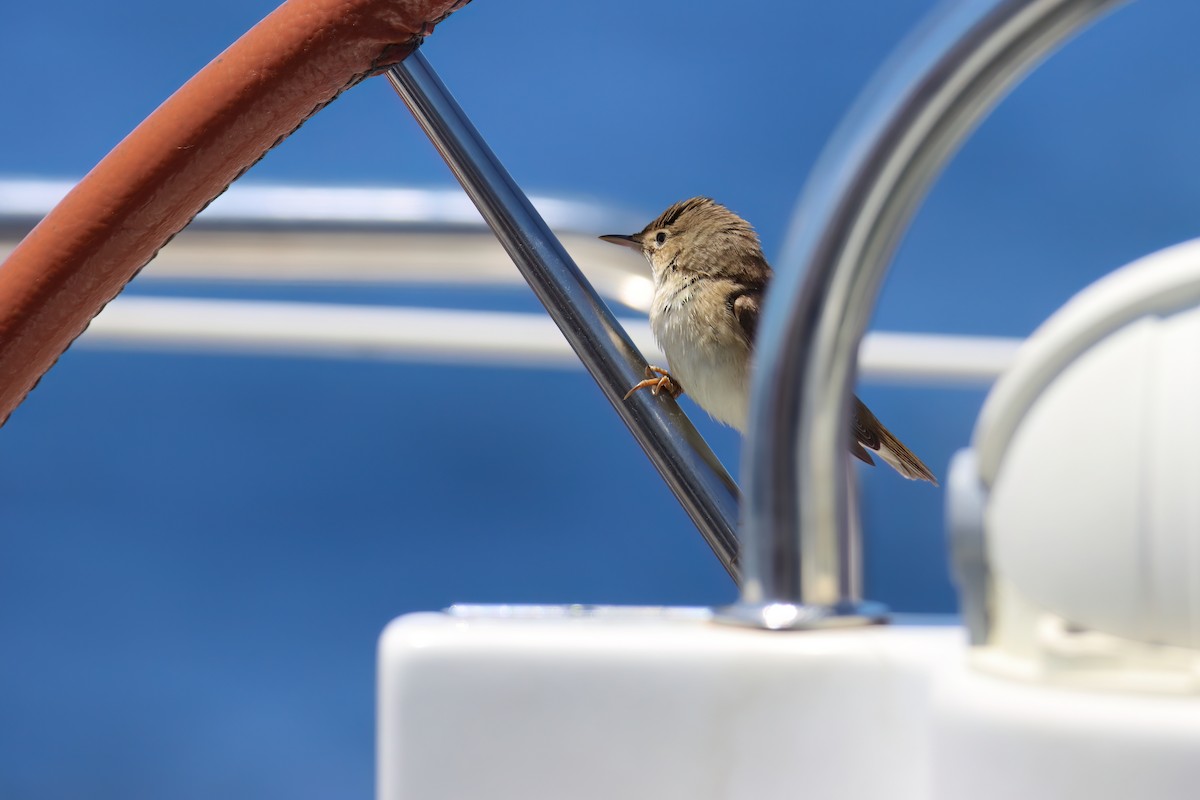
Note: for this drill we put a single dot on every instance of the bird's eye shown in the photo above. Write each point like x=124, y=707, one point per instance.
x=660, y=237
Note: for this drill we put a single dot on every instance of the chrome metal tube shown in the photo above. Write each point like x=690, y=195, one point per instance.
x=800, y=568
x=707, y=492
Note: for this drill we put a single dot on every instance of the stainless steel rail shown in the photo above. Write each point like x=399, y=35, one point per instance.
x=685, y=461
x=800, y=568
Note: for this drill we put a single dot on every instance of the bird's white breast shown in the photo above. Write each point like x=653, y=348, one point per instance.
x=703, y=348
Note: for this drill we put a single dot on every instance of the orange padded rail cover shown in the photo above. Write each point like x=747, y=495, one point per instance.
x=187, y=152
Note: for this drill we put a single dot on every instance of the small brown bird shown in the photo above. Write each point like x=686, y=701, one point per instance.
x=710, y=277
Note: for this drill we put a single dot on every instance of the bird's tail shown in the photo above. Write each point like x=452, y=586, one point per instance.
x=872, y=435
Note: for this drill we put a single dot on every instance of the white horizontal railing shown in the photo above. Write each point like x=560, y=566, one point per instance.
x=385, y=235
x=259, y=204
x=471, y=337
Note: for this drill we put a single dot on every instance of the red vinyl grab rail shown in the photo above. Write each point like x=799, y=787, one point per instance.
x=220, y=123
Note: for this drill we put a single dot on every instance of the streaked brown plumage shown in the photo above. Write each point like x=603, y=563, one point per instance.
x=710, y=277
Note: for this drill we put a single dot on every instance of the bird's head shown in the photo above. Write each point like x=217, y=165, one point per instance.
x=699, y=236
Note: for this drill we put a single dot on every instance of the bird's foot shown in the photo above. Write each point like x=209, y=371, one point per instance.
x=657, y=380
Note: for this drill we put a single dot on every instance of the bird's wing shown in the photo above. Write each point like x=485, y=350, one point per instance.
x=867, y=432
x=744, y=303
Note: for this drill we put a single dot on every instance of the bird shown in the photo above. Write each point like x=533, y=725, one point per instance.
x=710, y=280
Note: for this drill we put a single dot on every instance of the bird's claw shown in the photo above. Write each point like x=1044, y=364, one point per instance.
x=657, y=380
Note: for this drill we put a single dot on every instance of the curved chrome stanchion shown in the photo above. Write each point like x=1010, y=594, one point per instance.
x=694, y=474
x=800, y=568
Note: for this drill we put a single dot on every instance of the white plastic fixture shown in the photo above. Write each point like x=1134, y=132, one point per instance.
x=545, y=703
x=1086, y=450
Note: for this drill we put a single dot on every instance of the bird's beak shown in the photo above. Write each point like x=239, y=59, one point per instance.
x=634, y=241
